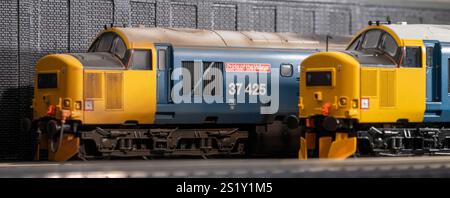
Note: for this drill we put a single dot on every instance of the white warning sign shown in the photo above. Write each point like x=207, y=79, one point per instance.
x=364, y=103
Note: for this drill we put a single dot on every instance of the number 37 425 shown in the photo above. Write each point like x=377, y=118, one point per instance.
x=250, y=89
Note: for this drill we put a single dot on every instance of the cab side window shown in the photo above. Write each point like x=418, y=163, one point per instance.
x=412, y=57
x=141, y=60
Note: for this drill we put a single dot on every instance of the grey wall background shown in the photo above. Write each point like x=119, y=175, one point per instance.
x=30, y=29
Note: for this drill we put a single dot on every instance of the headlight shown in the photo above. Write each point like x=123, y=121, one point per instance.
x=78, y=105
x=66, y=103
x=342, y=101
x=355, y=103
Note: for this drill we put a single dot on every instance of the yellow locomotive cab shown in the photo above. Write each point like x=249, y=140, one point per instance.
x=91, y=89
x=379, y=79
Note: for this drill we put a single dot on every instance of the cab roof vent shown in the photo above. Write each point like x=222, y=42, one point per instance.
x=387, y=22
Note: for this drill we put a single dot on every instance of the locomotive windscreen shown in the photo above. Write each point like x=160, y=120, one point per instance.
x=318, y=78
x=47, y=81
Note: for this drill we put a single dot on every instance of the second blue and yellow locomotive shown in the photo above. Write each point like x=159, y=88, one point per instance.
x=386, y=95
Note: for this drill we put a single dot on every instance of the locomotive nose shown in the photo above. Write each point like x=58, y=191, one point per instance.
x=58, y=85
x=57, y=98
x=329, y=93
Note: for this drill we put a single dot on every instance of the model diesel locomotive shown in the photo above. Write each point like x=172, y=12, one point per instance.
x=388, y=94
x=143, y=92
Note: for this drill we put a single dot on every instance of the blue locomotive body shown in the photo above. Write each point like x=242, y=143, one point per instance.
x=223, y=111
x=438, y=81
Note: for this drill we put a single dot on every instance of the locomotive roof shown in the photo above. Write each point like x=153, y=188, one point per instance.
x=222, y=38
x=422, y=31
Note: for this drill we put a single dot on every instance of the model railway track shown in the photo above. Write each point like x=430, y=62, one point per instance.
x=260, y=168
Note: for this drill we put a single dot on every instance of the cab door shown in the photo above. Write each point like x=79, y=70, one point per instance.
x=163, y=73
x=434, y=70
